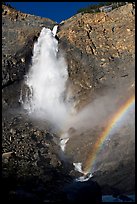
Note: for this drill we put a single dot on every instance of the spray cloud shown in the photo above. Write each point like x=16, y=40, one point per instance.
x=47, y=81
x=48, y=99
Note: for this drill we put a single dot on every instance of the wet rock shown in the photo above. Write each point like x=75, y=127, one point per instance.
x=6, y=156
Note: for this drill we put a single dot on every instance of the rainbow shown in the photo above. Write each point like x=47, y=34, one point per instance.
x=106, y=132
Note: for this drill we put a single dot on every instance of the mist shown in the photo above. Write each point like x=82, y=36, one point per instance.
x=47, y=80
x=49, y=99
x=99, y=111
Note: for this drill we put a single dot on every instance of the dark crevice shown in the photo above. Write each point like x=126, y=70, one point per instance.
x=10, y=83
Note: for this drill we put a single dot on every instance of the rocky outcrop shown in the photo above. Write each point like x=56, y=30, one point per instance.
x=100, y=52
x=19, y=32
x=103, y=46
x=101, y=57
x=31, y=168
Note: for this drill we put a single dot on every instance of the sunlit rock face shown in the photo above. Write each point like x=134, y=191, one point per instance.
x=103, y=46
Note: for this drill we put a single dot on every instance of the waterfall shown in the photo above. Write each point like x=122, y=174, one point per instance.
x=47, y=80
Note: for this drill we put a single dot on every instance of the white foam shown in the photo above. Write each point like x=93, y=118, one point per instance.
x=54, y=31
x=85, y=177
x=46, y=80
x=78, y=167
x=63, y=143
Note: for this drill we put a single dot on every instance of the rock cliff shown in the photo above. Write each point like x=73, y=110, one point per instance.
x=103, y=46
x=19, y=32
x=100, y=52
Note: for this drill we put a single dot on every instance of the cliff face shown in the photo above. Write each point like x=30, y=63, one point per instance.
x=103, y=46
x=100, y=48
x=100, y=52
x=19, y=32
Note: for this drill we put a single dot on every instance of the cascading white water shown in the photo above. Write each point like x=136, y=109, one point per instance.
x=86, y=176
x=47, y=81
x=47, y=98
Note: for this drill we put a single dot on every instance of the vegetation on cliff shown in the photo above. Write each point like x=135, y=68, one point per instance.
x=95, y=8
